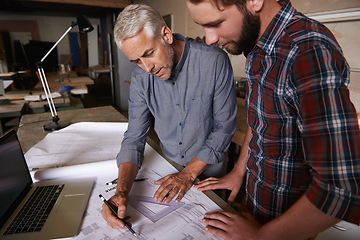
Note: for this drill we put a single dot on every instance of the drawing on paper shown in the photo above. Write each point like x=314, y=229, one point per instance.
x=151, y=209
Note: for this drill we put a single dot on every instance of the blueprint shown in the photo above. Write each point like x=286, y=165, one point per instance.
x=182, y=222
x=149, y=220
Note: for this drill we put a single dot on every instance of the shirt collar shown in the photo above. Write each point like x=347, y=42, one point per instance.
x=276, y=27
x=183, y=57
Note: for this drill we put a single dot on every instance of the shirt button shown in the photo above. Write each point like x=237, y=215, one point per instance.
x=180, y=143
x=173, y=83
x=182, y=156
x=179, y=124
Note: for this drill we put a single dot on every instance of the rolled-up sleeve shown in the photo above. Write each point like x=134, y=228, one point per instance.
x=330, y=131
x=133, y=144
x=224, y=114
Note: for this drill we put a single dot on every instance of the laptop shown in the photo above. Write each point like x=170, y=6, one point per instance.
x=61, y=204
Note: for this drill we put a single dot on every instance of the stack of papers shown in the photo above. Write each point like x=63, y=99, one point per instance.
x=41, y=97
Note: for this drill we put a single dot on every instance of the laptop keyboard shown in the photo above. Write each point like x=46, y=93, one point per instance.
x=32, y=216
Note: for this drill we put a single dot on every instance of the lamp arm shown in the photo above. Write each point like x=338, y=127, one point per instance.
x=41, y=74
x=58, y=41
x=44, y=83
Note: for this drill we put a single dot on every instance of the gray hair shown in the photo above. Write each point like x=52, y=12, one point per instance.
x=135, y=18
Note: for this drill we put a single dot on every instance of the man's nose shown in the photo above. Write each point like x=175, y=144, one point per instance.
x=211, y=36
x=148, y=66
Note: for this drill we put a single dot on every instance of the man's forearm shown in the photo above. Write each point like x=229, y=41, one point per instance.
x=302, y=221
x=126, y=175
x=195, y=168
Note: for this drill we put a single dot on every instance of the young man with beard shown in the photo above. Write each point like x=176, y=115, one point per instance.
x=302, y=148
x=187, y=89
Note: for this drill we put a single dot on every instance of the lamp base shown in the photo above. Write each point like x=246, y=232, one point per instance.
x=53, y=126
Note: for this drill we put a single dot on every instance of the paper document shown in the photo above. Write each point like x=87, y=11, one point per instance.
x=149, y=219
x=41, y=97
x=78, y=143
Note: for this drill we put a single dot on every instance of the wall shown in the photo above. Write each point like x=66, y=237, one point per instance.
x=346, y=32
x=50, y=28
x=310, y=6
x=17, y=26
x=122, y=75
x=182, y=22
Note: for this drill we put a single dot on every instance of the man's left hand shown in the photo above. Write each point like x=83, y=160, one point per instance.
x=231, y=225
x=172, y=185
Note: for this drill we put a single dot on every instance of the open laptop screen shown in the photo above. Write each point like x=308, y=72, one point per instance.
x=14, y=175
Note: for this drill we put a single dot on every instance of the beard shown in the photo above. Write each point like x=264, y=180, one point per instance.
x=248, y=35
x=169, y=67
x=170, y=53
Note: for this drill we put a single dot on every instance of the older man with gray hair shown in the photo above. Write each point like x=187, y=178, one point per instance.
x=186, y=90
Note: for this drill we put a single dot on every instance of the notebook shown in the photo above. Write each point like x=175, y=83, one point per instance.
x=61, y=204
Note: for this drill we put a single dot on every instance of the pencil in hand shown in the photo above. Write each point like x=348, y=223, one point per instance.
x=114, y=212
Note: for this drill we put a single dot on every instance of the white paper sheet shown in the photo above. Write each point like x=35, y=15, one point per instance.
x=79, y=170
x=183, y=223
x=78, y=143
x=41, y=97
x=7, y=83
x=342, y=230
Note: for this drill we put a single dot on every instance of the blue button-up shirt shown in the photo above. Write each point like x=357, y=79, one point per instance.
x=194, y=111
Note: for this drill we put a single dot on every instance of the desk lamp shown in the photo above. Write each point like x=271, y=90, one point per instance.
x=84, y=26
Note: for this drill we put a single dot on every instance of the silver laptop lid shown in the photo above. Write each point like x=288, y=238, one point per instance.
x=16, y=186
x=15, y=179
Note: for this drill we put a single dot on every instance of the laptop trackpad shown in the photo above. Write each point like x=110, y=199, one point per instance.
x=71, y=203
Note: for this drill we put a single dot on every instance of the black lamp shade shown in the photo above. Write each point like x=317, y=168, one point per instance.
x=84, y=24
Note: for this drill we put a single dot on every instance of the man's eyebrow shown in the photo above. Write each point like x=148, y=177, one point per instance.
x=145, y=54
x=209, y=24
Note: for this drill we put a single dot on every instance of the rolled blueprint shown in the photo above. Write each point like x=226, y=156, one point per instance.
x=93, y=169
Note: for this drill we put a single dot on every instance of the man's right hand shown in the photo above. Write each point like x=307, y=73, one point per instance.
x=119, y=203
x=231, y=181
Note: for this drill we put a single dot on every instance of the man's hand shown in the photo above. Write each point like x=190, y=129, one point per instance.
x=119, y=202
x=231, y=225
x=301, y=221
x=126, y=174
x=172, y=185
x=232, y=181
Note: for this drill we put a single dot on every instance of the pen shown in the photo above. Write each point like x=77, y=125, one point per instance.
x=339, y=228
x=126, y=224
x=140, y=179
x=112, y=182
x=115, y=181
x=110, y=189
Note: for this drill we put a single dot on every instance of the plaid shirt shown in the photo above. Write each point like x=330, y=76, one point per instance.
x=305, y=132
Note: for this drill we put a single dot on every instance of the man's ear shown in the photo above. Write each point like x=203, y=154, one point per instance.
x=167, y=35
x=254, y=6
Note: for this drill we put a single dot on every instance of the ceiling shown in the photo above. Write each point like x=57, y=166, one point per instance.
x=89, y=7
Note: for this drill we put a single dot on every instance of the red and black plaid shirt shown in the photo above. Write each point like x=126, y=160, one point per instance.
x=306, y=138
